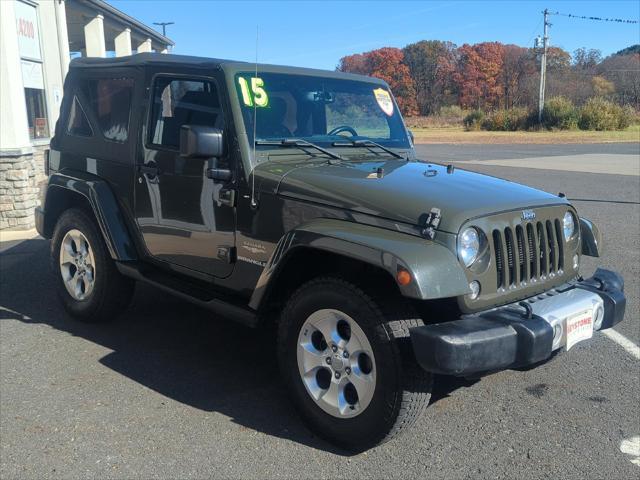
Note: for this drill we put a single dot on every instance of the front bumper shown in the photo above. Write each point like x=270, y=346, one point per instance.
x=520, y=334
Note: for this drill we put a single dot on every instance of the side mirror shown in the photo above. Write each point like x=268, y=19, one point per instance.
x=411, y=137
x=198, y=141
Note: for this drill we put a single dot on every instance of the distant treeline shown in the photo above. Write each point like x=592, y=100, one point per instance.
x=431, y=74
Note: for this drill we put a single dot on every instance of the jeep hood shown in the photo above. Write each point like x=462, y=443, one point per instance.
x=404, y=191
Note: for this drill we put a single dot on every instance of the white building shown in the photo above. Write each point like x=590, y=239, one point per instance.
x=38, y=38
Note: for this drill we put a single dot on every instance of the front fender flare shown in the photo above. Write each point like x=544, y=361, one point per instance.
x=435, y=270
x=105, y=208
x=592, y=244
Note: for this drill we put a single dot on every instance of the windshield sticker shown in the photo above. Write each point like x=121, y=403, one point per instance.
x=257, y=94
x=384, y=101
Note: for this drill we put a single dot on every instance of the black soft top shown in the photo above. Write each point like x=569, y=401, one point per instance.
x=147, y=59
x=142, y=60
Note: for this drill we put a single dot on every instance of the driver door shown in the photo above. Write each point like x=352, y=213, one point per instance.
x=184, y=217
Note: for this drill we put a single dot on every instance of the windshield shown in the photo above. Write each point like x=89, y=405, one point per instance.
x=318, y=109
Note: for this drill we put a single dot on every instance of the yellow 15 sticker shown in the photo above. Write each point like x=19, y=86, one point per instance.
x=257, y=93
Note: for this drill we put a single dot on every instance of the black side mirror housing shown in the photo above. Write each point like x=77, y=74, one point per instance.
x=198, y=141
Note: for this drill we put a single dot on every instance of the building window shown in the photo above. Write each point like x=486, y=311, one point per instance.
x=32, y=76
x=36, y=113
x=110, y=101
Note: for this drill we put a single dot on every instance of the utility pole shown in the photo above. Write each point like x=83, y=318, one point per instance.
x=164, y=27
x=543, y=64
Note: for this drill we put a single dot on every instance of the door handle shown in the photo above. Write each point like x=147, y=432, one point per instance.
x=149, y=169
x=150, y=172
x=227, y=196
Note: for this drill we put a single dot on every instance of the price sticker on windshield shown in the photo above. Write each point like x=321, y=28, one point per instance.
x=256, y=94
x=384, y=101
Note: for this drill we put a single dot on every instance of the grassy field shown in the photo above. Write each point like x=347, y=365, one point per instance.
x=459, y=135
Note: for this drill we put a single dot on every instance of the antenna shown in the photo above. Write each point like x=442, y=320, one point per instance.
x=254, y=204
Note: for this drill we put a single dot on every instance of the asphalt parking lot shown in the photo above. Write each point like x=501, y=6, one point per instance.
x=169, y=392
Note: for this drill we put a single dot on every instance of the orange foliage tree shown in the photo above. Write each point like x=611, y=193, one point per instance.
x=386, y=64
x=478, y=75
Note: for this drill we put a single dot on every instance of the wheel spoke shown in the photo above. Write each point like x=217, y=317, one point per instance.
x=365, y=384
x=353, y=344
x=66, y=253
x=84, y=247
x=78, y=286
x=333, y=397
x=65, y=269
x=89, y=274
x=311, y=358
x=312, y=384
x=328, y=326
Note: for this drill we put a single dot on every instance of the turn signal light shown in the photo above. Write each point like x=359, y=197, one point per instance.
x=403, y=277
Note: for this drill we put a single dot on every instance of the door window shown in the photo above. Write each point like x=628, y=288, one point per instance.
x=178, y=102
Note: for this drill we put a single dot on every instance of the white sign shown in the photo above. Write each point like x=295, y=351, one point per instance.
x=27, y=29
x=32, y=75
x=579, y=327
x=384, y=101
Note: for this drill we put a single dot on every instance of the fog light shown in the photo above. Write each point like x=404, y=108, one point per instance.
x=576, y=261
x=475, y=289
x=598, y=317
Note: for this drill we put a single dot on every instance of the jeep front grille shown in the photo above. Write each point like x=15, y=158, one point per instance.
x=528, y=253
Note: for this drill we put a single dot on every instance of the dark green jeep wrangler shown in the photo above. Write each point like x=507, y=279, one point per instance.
x=293, y=197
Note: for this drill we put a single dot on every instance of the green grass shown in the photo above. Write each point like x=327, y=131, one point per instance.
x=459, y=135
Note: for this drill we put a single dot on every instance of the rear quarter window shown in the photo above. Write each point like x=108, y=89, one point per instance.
x=77, y=123
x=110, y=101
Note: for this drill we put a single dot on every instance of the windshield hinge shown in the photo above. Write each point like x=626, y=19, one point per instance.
x=431, y=223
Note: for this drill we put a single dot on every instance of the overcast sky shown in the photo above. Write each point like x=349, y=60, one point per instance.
x=318, y=34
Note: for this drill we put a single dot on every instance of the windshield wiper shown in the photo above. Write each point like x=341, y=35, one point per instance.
x=298, y=142
x=367, y=143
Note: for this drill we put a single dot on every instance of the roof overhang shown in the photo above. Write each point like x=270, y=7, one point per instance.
x=79, y=12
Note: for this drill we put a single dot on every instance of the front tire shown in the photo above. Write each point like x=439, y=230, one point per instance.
x=347, y=362
x=87, y=280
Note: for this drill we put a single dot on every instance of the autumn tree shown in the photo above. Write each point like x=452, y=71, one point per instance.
x=478, y=75
x=601, y=86
x=386, y=64
x=431, y=65
x=356, y=63
x=558, y=60
x=518, y=64
x=584, y=59
x=624, y=71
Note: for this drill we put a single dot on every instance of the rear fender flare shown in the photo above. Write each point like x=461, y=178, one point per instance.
x=104, y=206
x=435, y=270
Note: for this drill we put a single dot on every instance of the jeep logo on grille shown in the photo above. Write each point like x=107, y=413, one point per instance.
x=528, y=215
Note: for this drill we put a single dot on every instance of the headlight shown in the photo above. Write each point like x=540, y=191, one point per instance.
x=568, y=226
x=469, y=246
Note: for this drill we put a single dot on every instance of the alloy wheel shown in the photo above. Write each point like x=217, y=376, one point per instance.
x=77, y=265
x=336, y=363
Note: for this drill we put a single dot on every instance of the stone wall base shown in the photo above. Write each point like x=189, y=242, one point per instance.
x=20, y=180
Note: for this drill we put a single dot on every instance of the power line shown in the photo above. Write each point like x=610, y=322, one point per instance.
x=599, y=19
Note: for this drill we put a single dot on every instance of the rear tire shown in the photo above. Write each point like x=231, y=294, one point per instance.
x=400, y=389
x=87, y=280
